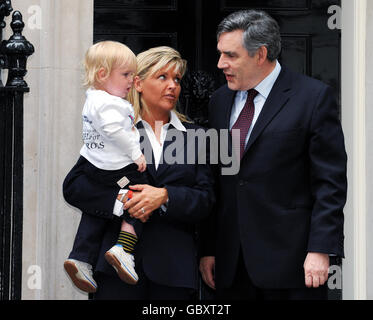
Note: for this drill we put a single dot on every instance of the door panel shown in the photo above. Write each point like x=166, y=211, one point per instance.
x=137, y=4
x=309, y=46
x=145, y=24
x=270, y=4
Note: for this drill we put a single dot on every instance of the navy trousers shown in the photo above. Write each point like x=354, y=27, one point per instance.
x=91, y=229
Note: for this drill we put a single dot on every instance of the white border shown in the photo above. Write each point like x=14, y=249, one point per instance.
x=353, y=122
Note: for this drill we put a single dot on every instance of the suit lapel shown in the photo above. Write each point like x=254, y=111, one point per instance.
x=278, y=97
x=147, y=150
x=227, y=105
x=223, y=115
x=163, y=166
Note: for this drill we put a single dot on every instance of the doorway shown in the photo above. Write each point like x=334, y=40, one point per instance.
x=310, y=45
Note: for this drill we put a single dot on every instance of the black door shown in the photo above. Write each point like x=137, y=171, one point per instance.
x=310, y=45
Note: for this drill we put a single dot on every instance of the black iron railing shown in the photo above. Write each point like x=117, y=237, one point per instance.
x=13, y=57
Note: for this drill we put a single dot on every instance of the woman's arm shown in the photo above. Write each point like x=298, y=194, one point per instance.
x=192, y=204
x=185, y=204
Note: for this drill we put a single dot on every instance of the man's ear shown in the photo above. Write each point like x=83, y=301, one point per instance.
x=262, y=55
x=137, y=83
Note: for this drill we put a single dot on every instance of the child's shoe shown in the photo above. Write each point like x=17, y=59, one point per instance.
x=81, y=275
x=123, y=263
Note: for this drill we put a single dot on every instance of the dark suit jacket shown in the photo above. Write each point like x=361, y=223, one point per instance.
x=289, y=194
x=167, y=246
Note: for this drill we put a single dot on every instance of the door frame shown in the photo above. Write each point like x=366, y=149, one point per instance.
x=353, y=112
x=353, y=87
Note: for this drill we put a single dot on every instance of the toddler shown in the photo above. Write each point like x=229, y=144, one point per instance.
x=112, y=150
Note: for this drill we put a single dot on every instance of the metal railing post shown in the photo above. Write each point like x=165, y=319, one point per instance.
x=13, y=56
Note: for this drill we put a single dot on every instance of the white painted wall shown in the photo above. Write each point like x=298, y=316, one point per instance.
x=357, y=120
x=369, y=148
x=61, y=32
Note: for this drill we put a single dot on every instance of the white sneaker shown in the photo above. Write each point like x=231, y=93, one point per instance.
x=123, y=263
x=81, y=275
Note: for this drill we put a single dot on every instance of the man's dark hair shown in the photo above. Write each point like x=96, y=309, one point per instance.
x=259, y=28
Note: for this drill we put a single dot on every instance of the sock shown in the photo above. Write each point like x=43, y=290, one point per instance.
x=127, y=241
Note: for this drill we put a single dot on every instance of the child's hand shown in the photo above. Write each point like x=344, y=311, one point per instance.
x=124, y=197
x=141, y=163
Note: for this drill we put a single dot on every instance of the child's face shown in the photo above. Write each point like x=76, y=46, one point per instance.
x=119, y=82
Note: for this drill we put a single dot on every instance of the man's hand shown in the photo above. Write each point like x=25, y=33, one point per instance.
x=207, y=268
x=316, y=267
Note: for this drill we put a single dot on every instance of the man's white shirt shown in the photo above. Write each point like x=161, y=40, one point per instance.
x=263, y=88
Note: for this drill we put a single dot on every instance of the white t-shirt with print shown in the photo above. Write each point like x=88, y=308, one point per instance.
x=110, y=139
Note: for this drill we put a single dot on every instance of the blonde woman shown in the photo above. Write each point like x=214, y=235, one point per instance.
x=180, y=196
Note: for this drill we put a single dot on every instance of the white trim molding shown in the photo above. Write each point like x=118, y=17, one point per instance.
x=61, y=34
x=354, y=126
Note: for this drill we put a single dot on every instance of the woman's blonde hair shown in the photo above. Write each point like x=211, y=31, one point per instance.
x=150, y=62
x=107, y=55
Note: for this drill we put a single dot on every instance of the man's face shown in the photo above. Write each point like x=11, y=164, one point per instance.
x=239, y=68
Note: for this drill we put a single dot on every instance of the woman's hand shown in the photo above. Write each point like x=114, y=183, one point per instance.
x=145, y=201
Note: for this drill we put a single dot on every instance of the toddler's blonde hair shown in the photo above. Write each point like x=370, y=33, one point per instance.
x=107, y=55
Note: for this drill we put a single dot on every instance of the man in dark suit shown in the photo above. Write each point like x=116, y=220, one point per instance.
x=280, y=218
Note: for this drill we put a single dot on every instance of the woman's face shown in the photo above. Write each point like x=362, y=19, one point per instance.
x=161, y=90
